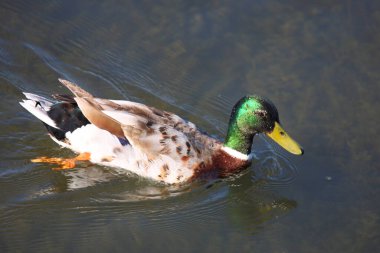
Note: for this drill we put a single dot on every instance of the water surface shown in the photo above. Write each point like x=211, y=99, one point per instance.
x=318, y=62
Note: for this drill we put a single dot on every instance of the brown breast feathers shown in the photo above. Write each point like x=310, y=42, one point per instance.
x=221, y=165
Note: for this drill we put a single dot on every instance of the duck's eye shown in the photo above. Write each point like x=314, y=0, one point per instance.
x=260, y=113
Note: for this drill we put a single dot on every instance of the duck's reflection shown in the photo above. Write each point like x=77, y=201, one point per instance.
x=247, y=200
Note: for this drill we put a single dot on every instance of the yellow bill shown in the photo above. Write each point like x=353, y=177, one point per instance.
x=284, y=140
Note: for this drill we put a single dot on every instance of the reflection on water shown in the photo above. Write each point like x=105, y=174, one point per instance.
x=119, y=185
x=318, y=62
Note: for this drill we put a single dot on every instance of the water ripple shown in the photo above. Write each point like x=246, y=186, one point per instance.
x=274, y=168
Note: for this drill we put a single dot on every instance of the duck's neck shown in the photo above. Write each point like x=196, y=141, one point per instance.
x=238, y=140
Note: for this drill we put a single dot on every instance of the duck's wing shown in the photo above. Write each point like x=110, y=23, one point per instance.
x=148, y=129
x=64, y=98
x=92, y=110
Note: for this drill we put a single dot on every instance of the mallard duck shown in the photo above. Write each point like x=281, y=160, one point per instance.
x=153, y=143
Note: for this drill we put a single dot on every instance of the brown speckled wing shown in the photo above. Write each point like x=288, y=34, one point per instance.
x=153, y=131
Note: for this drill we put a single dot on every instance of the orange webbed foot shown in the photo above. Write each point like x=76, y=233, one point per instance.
x=64, y=163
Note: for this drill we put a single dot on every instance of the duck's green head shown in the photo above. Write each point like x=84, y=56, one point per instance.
x=252, y=115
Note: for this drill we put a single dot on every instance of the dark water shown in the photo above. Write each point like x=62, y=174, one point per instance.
x=318, y=62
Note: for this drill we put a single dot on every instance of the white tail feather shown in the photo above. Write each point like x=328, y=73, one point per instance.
x=44, y=102
x=38, y=108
